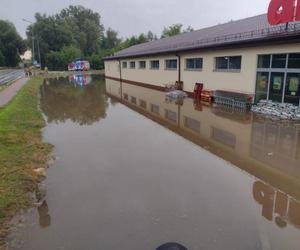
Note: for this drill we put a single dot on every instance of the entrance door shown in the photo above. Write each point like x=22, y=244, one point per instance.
x=292, y=88
x=276, y=87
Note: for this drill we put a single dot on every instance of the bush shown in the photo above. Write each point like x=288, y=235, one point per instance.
x=59, y=60
x=96, y=61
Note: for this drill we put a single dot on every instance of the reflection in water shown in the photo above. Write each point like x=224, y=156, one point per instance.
x=80, y=79
x=61, y=101
x=268, y=150
x=128, y=183
x=276, y=204
x=171, y=246
x=44, y=217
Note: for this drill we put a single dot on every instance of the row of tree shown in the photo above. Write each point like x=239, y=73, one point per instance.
x=72, y=33
x=11, y=45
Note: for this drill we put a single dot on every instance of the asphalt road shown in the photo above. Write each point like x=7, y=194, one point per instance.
x=9, y=75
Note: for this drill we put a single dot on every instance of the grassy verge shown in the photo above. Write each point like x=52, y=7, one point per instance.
x=21, y=151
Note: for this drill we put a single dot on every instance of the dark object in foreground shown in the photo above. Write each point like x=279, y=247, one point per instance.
x=171, y=246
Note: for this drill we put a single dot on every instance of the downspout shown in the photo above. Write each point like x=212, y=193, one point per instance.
x=120, y=70
x=179, y=67
x=180, y=86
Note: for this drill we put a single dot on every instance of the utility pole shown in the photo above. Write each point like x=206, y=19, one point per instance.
x=38, y=47
x=33, y=56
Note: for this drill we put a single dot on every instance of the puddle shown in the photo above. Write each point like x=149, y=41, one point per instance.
x=135, y=171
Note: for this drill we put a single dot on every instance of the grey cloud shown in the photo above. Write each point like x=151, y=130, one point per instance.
x=131, y=17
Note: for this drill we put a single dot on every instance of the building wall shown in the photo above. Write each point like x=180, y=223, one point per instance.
x=243, y=81
x=112, y=69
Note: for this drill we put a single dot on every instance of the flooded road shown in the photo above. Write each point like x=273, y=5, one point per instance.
x=135, y=171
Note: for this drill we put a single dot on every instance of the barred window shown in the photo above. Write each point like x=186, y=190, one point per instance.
x=132, y=65
x=194, y=63
x=228, y=63
x=171, y=64
x=154, y=64
x=142, y=64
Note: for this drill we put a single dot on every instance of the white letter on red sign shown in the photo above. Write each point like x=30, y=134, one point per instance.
x=281, y=11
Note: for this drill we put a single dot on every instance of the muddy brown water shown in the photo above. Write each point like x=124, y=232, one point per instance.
x=135, y=171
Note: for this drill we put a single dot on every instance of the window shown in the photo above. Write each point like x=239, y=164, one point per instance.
x=171, y=64
x=223, y=137
x=126, y=96
x=133, y=99
x=142, y=64
x=124, y=65
x=264, y=61
x=132, y=65
x=262, y=82
x=155, y=109
x=192, y=124
x=292, y=88
x=154, y=64
x=171, y=115
x=228, y=63
x=193, y=63
x=279, y=61
x=294, y=61
x=143, y=104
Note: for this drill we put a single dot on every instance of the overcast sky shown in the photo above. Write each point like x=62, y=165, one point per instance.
x=132, y=17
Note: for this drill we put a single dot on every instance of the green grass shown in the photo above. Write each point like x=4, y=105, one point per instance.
x=21, y=150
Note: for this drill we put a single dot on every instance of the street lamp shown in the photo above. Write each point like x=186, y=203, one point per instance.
x=38, y=47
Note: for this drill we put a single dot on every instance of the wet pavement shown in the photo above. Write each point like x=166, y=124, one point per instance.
x=135, y=171
x=9, y=92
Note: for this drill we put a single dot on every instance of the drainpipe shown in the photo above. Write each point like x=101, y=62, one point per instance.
x=120, y=70
x=179, y=67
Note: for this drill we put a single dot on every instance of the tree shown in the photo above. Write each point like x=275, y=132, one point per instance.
x=174, y=30
x=188, y=29
x=151, y=36
x=110, y=39
x=96, y=61
x=74, y=26
x=11, y=45
x=51, y=34
x=2, y=59
x=86, y=26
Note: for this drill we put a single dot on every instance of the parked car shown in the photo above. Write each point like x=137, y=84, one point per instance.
x=79, y=65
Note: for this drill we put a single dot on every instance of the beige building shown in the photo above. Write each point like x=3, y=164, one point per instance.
x=247, y=56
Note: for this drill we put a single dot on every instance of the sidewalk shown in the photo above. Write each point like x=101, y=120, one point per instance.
x=8, y=93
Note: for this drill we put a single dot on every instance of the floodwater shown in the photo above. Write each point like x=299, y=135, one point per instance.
x=135, y=171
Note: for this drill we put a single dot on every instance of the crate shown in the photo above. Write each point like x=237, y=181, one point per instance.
x=206, y=96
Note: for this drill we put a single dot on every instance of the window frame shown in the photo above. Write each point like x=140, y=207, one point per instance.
x=289, y=61
x=228, y=69
x=287, y=70
x=153, y=107
x=130, y=63
x=143, y=61
x=193, y=69
x=168, y=68
x=154, y=68
x=124, y=64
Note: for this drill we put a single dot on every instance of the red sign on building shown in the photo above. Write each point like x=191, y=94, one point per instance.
x=283, y=11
